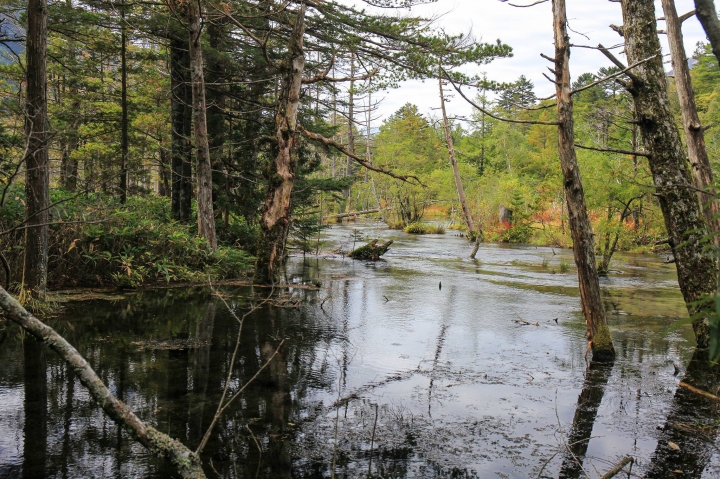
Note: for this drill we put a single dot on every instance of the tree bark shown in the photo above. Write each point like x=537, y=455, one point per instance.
x=684, y=220
x=598, y=333
x=124, y=141
x=453, y=162
x=203, y=170
x=161, y=445
x=694, y=133
x=181, y=120
x=37, y=180
x=707, y=14
x=276, y=209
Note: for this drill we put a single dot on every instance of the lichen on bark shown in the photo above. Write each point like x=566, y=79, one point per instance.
x=674, y=189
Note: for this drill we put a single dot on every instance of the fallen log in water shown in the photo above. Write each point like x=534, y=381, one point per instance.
x=371, y=251
x=353, y=213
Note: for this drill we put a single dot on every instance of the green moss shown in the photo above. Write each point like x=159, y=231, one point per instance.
x=602, y=348
x=371, y=251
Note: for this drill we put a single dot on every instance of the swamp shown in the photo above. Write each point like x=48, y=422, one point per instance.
x=359, y=239
x=422, y=364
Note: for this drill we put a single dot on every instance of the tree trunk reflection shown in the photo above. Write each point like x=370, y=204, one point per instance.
x=596, y=379
x=691, y=425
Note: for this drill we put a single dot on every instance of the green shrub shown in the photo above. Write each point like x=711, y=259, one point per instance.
x=415, y=229
x=96, y=241
x=424, y=229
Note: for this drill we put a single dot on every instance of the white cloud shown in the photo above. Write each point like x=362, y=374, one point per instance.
x=529, y=32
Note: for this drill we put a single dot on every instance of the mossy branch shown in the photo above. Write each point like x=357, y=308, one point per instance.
x=161, y=445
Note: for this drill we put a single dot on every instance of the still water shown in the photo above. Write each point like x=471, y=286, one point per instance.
x=420, y=365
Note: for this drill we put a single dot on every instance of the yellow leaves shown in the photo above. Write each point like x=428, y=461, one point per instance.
x=72, y=245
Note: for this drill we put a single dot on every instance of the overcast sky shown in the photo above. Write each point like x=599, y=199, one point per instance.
x=529, y=32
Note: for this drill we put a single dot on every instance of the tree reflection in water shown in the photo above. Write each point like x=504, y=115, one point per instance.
x=687, y=440
x=596, y=379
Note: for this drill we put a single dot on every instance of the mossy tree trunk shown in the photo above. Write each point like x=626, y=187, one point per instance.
x=275, y=221
x=598, y=332
x=37, y=175
x=684, y=219
x=124, y=120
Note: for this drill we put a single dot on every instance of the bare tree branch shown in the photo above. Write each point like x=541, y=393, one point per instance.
x=537, y=2
x=613, y=150
x=609, y=77
x=508, y=120
x=331, y=143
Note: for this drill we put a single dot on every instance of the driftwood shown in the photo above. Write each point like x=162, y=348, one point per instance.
x=699, y=391
x=619, y=467
x=354, y=213
x=187, y=462
x=371, y=251
x=525, y=323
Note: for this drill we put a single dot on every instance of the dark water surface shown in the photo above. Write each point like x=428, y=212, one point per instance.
x=384, y=373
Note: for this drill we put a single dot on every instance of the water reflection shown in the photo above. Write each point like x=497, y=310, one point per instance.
x=591, y=396
x=687, y=442
x=35, y=424
x=458, y=388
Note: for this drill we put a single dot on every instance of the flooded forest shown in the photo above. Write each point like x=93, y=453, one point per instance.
x=334, y=239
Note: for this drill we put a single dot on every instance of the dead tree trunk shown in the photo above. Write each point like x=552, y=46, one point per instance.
x=453, y=162
x=351, y=123
x=598, y=333
x=684, y=220
x=37, y=178
x=275, y=220
x=161, y=445
x=203, y=170
x=694, y=134
x=181, y=123
x=707, y=14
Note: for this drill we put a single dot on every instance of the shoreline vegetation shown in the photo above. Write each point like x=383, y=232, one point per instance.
x=98, y=243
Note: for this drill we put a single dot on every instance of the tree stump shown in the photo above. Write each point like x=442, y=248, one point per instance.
x=371, y=251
